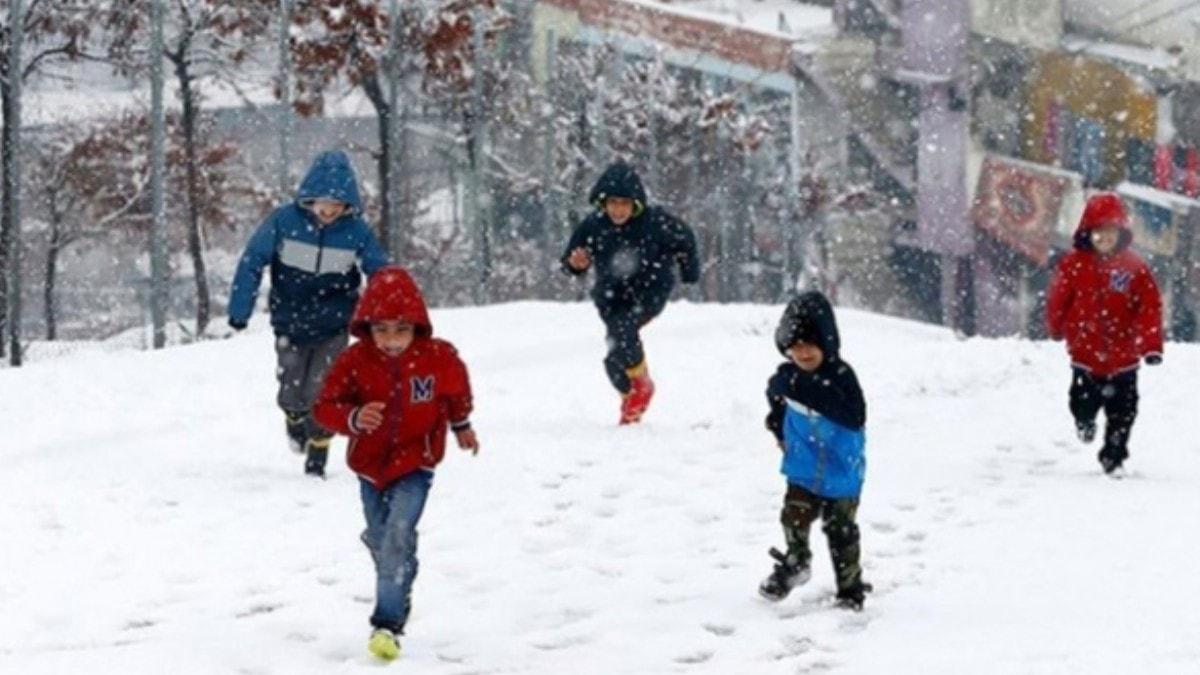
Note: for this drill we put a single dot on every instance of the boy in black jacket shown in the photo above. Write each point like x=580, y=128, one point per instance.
x=817, y=415
x=634, y=249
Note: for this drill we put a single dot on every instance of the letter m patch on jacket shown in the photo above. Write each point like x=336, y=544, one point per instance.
x=422, y=389
x=1119, y=280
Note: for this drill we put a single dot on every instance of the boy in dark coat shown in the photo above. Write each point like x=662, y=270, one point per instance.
x=315, y=246
x=395, y=393
x=634, y=249
x=1103, y=300
x=817, y=415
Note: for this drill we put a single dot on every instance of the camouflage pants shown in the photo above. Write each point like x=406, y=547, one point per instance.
x=800, y=509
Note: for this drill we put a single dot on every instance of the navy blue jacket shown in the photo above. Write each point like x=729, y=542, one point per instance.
x=634, y=262
x=819, y=416
x=314, y=269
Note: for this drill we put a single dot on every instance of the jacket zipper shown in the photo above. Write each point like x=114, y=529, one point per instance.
x=320, y=246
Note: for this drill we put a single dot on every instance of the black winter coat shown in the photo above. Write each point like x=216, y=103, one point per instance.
x=634, y=262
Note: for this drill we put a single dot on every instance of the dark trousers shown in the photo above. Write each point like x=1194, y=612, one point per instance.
x=800, y=509
x=1118, y=396
x=624, y=343
x=301, y=370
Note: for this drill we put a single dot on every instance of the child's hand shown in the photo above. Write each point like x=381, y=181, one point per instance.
x=579, y=259
x=370, y=416
x=467, y=440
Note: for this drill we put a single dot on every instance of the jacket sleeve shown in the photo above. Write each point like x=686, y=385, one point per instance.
x=847, y=406
x=684, y=245
x=580, y=237
x=339, y=398
x=371, y=254
x=1149, y=325
x=456, y=392
x=259, y=251
x=1058, y=300
x=776, y=387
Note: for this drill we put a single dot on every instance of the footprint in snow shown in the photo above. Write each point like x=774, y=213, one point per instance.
x=722, y=630
x=695, y=657
x=882, y=527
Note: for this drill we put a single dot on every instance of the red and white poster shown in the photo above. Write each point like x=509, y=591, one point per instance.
x=1019, y=203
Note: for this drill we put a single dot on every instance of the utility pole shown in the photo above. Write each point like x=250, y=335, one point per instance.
x=477, y=156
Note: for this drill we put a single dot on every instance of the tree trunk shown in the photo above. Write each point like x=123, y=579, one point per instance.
x=6, y=140
x=383, y=115
x=194, y=240
x=55, y=247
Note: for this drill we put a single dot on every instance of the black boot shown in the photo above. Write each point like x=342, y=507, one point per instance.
x=317, y=451
x=852, y=597
x=297, y=425
x=789, y=573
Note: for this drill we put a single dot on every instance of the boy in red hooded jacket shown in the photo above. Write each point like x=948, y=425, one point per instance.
x=394, y=393
x=1103, y=300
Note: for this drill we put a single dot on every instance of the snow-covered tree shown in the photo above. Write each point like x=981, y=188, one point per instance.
x=205, y=40
x=49, y=30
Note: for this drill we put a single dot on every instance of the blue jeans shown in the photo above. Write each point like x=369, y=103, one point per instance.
x=391, y=537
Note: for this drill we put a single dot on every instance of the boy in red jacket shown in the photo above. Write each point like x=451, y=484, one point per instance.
x=1104, y=301
x=394, y=393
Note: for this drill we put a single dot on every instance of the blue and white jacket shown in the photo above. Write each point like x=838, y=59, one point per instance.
x=818, y=416
x=314, y=269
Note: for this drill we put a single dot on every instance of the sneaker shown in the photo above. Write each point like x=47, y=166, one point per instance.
x=637, y=400
x=853, y=598
x=297, y=436
x=1086, y=431
x=384, y=644
x=788, y=574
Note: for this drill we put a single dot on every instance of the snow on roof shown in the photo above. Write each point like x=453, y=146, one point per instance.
x=778, y=18
x=1167, y=200
x=1154, y=58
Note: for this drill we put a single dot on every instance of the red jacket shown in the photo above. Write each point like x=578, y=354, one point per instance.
x=425, y=388
x=1106, y=307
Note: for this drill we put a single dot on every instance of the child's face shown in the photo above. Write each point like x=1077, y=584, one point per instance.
x=619, y=209
x=392, y=337
x=1105, y=239
x=806, y=355
x=328, y=210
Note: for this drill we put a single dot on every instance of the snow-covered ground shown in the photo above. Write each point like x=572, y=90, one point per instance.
x=153, y=518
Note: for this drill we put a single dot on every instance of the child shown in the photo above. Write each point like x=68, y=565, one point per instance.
x=634, y=248
x=395, y=392
x=315, y=246
x=1104, y=301
x=817, y=415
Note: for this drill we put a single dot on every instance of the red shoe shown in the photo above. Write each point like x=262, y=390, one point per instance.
x=637, y=400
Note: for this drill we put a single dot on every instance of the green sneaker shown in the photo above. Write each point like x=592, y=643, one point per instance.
x=383, y=644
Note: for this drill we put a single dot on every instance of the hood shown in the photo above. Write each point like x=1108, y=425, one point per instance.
x=331, y=176
x=619, y=180
x=809, y=317
x=1103, y=209
x=391, y=295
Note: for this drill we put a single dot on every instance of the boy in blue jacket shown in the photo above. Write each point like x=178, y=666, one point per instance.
x=315, y=246
x=817, y=415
